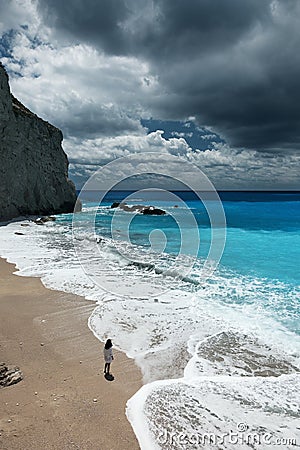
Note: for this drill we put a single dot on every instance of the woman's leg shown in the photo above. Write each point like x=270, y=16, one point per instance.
x=105, y=367
x=108, y=367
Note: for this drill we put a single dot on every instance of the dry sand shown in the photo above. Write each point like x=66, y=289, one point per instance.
x=64, y=401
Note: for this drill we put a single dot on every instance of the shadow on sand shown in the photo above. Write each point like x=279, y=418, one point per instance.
x=109, y=377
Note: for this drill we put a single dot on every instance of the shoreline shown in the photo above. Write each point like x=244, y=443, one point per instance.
x=63, y=401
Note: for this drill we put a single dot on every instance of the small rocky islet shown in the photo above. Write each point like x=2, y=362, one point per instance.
x=146, y=210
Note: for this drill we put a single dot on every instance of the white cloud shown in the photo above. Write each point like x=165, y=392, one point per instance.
x=225, y=167
x=248, y=169
x=180, y=134
x=103, y=150
x=16, y=13
x=209, y=136
x=79, y=89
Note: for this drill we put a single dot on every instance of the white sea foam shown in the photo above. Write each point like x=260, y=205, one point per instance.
x=225, y=330
x=217, y=413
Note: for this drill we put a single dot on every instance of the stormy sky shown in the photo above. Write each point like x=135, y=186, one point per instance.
x=214, y=81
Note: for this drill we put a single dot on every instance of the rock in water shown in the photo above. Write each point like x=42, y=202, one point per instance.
x=146, y=210
x=33, y=165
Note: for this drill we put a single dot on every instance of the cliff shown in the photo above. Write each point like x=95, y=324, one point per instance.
x=33, y=166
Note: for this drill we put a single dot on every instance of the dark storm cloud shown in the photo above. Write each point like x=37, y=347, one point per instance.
x=170, y=28
x=187, y=29
x=91, y=21
x=232, y=64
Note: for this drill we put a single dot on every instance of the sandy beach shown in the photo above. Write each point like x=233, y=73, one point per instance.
x=63, y=401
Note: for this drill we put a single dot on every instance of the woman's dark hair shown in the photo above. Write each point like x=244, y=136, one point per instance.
x=108, y=344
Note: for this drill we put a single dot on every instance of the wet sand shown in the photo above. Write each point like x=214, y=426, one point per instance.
x=64, y=401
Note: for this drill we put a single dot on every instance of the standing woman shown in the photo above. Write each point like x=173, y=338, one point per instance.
x=108, y=356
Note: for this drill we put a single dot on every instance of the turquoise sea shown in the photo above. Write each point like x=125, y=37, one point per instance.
x=262, y=242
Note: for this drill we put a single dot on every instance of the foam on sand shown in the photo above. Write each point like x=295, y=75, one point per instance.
x=217, y=412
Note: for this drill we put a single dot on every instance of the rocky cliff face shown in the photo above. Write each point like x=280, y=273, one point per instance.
x=33, y=165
